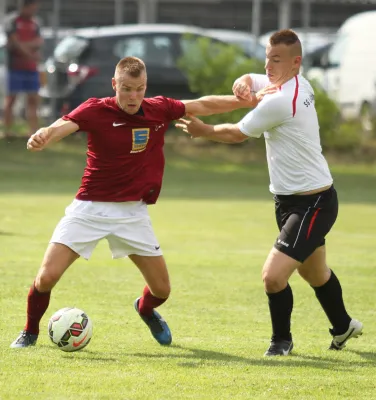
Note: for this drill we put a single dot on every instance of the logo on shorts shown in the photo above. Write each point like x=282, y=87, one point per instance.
x=279, y=241
x=140, y=138
x=157, y=247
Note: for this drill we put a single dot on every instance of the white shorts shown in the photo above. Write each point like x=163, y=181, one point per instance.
x=126, y=226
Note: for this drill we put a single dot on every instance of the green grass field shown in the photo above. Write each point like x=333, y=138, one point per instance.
x=215, y=223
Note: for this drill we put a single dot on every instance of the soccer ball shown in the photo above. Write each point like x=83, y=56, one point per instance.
x=70, y=329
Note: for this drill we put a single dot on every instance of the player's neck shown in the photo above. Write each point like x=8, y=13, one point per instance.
x=287, y=78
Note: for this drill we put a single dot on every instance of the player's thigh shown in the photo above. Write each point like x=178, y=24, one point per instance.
x=57, y=259
x=277, y=270
x=307, y=221
x=155, y=273
x=314, y=269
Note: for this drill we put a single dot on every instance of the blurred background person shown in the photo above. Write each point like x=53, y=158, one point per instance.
x=24, y=43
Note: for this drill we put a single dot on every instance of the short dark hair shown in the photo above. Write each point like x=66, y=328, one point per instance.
x=131, y=65
x=287, y=37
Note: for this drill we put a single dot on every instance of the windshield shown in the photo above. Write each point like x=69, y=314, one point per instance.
x=70, y=48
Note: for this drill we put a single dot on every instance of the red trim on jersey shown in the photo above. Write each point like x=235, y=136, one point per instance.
x=312, y=222
x=295, y=96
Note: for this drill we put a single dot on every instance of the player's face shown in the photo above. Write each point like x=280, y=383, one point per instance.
x=130, y=91
x=280, y=63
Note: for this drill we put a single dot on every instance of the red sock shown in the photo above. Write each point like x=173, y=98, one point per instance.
x=37, y=304
x=148, y=302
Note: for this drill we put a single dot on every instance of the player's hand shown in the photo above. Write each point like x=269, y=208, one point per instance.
x=264, y=91
x=193, y=126
x=37, y=141
x=242, y=89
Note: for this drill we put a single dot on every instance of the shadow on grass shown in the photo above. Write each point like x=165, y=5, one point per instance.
x=6, y=234
x=367, y=355
x=192, y=175
x=195, y=358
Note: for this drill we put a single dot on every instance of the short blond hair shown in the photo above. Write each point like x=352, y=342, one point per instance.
x=131, y=65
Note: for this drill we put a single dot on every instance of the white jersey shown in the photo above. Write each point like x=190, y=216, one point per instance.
x=289, y=122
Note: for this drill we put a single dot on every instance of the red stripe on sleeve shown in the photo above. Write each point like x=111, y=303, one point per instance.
x=295, y=96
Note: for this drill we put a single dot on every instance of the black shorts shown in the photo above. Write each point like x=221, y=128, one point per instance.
x=304, y=221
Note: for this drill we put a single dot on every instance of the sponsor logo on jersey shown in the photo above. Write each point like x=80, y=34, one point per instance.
x=140, y=138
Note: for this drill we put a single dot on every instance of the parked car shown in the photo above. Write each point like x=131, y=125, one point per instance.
x=347, y=69
x=245, y=40
x=83, y=63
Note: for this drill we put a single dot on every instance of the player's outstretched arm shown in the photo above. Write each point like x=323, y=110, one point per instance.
x=209, y=105
x=242, y=87
x=51, y=134
x=224, y=133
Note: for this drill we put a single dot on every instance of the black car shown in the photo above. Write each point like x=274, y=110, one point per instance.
x=83, y=63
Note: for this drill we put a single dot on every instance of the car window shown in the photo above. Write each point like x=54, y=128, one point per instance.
x=70, y=48
x=153, y=50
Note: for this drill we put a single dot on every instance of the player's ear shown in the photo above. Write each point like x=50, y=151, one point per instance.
x=113, y=81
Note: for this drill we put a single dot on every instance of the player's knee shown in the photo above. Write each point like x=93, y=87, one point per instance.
x=272, y=282
x=161, y=290
x=315, y=277
x=305, y=274
x=46, y=280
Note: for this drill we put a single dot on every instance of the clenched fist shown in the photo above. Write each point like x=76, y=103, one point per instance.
x=38, y=140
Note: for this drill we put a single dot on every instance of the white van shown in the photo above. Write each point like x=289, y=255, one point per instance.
x=348, y=70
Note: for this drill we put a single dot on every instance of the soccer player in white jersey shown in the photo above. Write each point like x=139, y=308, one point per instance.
x=306, y=203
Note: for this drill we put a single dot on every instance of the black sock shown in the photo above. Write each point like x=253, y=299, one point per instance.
x=330, y=298
x=280, y=306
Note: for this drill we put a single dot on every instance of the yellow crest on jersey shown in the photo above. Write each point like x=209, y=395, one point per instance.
x=140, y=138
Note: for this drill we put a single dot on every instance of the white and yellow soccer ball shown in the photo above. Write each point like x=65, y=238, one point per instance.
x=70, y=329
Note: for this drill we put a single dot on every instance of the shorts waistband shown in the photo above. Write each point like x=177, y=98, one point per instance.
x=302, y=198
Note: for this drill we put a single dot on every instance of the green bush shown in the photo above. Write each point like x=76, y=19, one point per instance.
x=327, y=112
x=212, y=67
x=335, y=133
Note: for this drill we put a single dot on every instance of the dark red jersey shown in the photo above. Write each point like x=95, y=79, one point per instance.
x=125, y=160
x=26, y=30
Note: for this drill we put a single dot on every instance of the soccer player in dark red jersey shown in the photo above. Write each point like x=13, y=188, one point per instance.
x=23, y=54
x=123, y=174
